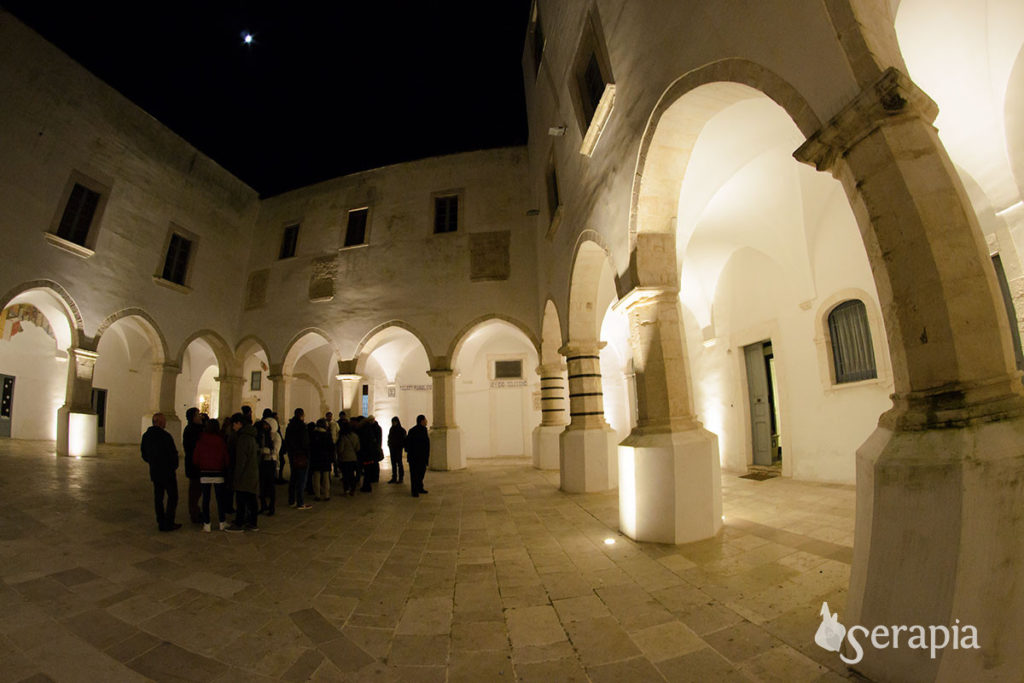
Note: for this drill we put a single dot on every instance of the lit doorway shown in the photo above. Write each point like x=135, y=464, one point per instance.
x=763, y=394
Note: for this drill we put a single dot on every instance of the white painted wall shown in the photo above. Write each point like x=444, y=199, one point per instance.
x=125, y=369
x=40, y=380
x=496, y=417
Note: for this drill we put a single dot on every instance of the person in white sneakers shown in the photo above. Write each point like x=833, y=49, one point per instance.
x=211, y=459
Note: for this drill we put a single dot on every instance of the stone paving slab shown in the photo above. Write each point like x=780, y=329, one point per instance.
x=496, y=575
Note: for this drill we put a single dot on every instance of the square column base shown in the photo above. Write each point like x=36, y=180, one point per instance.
x=545, y=447
x=939, y=537
x=446, y=449
x=587, y=460
x=76, y=432
x=670, y=486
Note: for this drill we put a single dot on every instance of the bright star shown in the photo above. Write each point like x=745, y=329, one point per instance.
x=246, y=37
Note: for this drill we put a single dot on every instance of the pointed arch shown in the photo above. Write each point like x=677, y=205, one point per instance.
x=551, y=334
x=457, y=341
x=60, y=300
x=221, y=350
x=251, y=344
x=670, y=133
x=301, y=343
x=590, y=258
x=370, y=341
x=146, y=323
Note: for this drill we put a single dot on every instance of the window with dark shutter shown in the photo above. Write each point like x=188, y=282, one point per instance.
x=78, y=214
x=289, y=241
x=446, y=213
x=176, y=262
x=355, y=233
x=852, y=352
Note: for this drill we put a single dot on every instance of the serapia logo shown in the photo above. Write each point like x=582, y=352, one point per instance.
x=830, y=633
x=932, y=638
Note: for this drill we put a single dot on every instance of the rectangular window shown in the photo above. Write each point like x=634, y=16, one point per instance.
x=289, y=241
x=446, y=213
x=78, y=215
x=176, y=262
x=255, y=380
x=853, y=355
x=592, y=87
x=355, y=233
x=508, y=369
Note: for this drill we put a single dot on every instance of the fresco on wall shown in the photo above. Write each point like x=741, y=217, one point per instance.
x=15, y=319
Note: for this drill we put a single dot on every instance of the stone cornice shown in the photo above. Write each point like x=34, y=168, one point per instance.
x=892, y=95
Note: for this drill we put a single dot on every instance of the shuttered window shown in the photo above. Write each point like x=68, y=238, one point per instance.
x=78, y=213
x=176, y=262
x=853, y=355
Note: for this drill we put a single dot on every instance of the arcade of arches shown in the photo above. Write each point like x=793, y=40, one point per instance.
x=808, y=274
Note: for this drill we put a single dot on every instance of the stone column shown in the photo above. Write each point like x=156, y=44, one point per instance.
x=76, y=421
x=282, y=393
x=554, y=416
x=670, y=485
x=587, y=459
x=940, y=483
x=163, y=390
x=230, y=401
x=445, y=438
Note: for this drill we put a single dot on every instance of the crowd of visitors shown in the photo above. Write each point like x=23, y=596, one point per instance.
x=241, y=462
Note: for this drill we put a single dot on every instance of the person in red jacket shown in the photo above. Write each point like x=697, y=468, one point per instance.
x=211, y=459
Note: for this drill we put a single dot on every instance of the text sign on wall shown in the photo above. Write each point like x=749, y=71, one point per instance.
x=417, y=387
x=508, y=384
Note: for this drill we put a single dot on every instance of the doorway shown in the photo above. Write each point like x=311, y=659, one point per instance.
x=99, y=406
x=6, y=404
x=762, y=391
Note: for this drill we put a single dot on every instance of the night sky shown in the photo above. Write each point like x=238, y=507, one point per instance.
x=326, y=88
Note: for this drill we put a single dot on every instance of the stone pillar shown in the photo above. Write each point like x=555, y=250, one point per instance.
x=163, y=390
x=940, y=483
x=76, y=421
x=445, y=438
x=670, y=483
x=230, y=401
x=587, y=458
x=282, y=393
x=554, y=416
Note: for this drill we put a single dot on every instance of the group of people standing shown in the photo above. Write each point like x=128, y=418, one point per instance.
x=244, y=460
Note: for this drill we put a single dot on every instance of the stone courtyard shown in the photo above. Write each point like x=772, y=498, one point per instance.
x=495, y=575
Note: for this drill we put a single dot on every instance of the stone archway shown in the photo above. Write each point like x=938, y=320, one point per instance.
x=949, y=342
x=493, y=361
x=132, y=362
x=43, y=346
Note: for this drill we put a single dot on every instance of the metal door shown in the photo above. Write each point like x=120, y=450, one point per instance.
x=760, y=405
x=6, y=404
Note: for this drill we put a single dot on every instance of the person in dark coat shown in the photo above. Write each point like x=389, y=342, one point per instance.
x=396, y=442
x=246, y=475
x=417, y=445
x=159, y=451
x=296, y=439
x=370, y=453
x=189, y=439
x=321, y=460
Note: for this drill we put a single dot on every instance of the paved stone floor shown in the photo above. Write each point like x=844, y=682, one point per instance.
x=493, y=576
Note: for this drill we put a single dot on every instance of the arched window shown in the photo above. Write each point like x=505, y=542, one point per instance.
x=853, y=356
